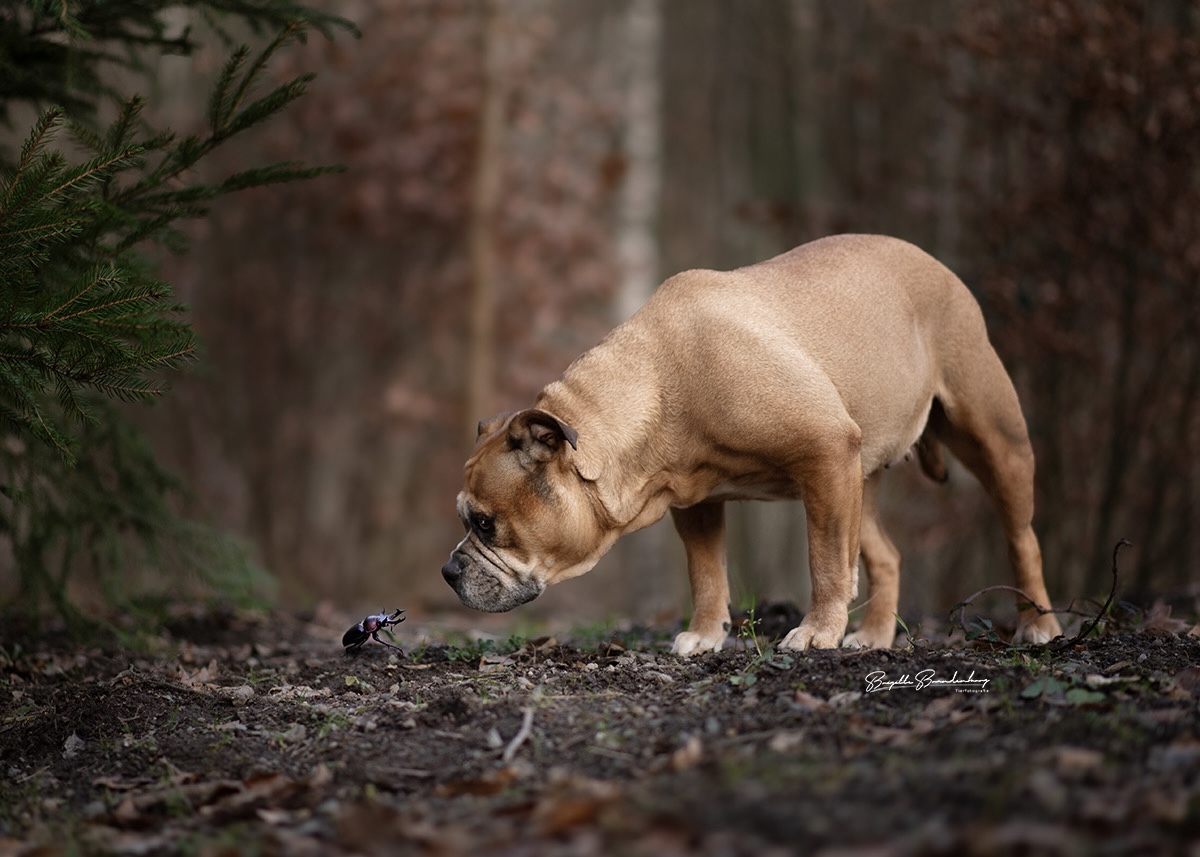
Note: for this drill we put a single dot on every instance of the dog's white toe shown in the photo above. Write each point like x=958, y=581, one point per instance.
x=856, y=641
x=1043, y=629
x=865, y=639
x=811, y=636
x=691, y=643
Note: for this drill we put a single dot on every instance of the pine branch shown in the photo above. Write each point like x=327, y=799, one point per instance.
x=219, y=107
x=43, y=130
x=93, y=171
x=83, y=321
x=292, y=32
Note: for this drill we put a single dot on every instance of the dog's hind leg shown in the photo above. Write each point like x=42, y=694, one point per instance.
x=982, y=424
x=882, y=563
x=702, y=528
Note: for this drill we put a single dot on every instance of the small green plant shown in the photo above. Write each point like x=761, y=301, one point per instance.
x=748, y=630
x=472, y=650
x=254, y=678
x=980, y=628
x=333, y=723
x=172, y=718
x=764, y=657
x=914, y=637
x=743, y=680
x=1071, y=689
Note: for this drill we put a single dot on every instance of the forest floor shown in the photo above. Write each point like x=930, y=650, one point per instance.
x=245, y=733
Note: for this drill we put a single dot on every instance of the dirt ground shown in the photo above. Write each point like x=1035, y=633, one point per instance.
x=252, y=734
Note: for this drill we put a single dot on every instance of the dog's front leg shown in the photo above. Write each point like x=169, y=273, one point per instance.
x=833, y=496
x=702, y=529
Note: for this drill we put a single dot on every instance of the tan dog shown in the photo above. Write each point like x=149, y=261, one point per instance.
x=798, y=378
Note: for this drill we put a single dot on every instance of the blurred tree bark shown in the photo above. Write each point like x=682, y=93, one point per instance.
x=1084, y=226
x=637, y=203
x=485, y=199
x=643, y=556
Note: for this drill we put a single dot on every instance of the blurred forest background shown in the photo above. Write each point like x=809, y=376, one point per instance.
x=522, y=173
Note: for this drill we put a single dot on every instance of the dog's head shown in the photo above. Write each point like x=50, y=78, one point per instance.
x=529, y=519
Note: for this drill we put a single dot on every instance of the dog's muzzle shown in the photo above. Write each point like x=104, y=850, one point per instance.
x=485, y=588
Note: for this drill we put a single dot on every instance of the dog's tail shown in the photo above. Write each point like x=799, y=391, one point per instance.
x=929, y=453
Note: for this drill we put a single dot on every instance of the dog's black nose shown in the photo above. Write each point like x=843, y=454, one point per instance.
x=452, y=571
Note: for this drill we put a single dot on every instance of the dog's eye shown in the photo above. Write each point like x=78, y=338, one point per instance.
x=485, y=525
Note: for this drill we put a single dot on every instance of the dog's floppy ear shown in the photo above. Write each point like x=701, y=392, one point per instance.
x=486, y=427
x=540, y=434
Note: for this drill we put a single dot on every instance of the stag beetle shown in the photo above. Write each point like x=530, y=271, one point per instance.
x=370, y=627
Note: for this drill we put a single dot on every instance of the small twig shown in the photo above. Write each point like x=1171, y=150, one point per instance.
x=519, y=738
x=961, y=606
x=1112, y=593
x=856, y=608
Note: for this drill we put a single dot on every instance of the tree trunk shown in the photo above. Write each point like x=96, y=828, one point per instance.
x=485, y=196
x=637, y=215
x=643, y=555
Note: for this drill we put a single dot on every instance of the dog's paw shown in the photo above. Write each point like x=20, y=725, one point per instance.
x=865, y=638
x=692, y=643
x=1041, y=629
x=814, y=634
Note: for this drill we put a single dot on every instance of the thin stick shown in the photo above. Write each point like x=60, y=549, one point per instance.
x=1082, y=635
x=961, y=607
x=519, y=738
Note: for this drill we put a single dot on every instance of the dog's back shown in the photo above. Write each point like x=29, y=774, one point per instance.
x=878, y=319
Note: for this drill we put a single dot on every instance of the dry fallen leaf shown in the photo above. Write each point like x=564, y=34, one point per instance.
x=1158, y=621
x=117, y=784
x=1074, y=760
x=942, y=706
x=556, y=814
x=294, y=734
x=237, y=695
x=1188, y=679
x=688, y=755
x=847, y=697
x=1097, y=680
x=72, y=746
x=809, y=702
x=298, y=691
x=490, y=783
x=887, y=735
x=251, y=794
x=494, y=663
x=781, y=742
x=127, y=812
x=200, y=679
x=321, y=777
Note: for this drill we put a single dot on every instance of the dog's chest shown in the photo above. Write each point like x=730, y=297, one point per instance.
x=756, y=486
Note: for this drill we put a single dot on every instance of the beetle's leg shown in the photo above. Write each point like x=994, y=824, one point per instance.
x=375, y=634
